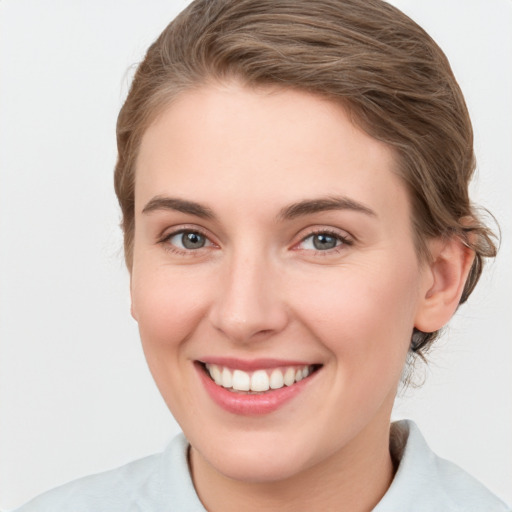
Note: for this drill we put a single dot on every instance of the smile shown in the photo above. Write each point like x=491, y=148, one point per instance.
x=254, y=388
x=258, y=381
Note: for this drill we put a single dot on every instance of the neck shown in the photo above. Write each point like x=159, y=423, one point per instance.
x=353, y=479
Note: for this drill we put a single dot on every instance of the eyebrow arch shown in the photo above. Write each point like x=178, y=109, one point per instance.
x=179, y=205
x=310, y=206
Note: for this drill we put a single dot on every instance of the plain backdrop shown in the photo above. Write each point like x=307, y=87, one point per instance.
x=75, y=394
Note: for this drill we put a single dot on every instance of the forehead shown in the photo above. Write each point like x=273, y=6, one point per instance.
x=240, y=146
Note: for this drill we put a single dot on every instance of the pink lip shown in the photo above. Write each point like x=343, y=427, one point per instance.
x=251, y=404
x=252, y=365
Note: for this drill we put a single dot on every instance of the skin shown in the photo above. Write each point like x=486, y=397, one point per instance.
x=260, y=289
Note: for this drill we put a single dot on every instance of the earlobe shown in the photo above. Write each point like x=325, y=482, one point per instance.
x=445, y=277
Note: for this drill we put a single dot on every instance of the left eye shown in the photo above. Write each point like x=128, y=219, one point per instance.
x=189, y=240
x=321, y=242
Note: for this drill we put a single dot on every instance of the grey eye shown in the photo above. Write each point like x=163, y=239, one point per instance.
x=189, y=240
x=193, y=240
x=322, y=241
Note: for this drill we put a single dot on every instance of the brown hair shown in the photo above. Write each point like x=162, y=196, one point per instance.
x=365, y=54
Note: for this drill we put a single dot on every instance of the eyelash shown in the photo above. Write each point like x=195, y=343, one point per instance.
x=165, y=241
x=344, y=242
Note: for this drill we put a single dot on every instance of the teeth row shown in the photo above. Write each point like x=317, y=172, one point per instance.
x=260, y=380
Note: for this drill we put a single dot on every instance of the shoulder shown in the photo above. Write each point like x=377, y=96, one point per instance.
x=425, y=482
x=152, y=484
x=109, y=490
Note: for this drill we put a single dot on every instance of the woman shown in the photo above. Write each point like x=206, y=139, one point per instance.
x=293, y=181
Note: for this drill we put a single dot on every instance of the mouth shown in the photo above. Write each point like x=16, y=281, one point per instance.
x=259, y=381
x=255, y=388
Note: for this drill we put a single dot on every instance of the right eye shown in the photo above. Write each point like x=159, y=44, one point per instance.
x=188, y=240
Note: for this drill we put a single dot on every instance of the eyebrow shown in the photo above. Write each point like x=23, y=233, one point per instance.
x=310, y=206
x=178, y=205
x=292, y=211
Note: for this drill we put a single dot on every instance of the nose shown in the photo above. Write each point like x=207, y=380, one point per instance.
x=248, y=306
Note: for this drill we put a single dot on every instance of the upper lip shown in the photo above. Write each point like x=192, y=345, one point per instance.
x=249, y=365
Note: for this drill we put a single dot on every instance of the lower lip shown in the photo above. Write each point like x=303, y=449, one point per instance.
x=251, y=404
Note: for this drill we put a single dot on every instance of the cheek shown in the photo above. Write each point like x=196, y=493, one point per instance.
x=362, y=315
x=167, y=306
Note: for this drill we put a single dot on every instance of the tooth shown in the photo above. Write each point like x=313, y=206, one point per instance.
x=276, y=379
x=227, y=378
x=215, y=374
x=305, y=372
x=259, y=381
x=289, y=376
x=241, y=380
x=298, y=375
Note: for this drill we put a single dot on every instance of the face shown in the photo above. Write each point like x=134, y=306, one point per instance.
x=275, y=280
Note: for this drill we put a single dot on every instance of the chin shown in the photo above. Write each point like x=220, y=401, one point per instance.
x=257, y=458
x=259, y=468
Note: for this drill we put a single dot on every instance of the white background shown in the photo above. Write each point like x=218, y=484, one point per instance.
x=75, y=394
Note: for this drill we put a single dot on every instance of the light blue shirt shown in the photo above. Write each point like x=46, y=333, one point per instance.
x=161, y=483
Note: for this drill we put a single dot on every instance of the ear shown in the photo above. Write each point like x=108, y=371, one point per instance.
x=444, y=279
